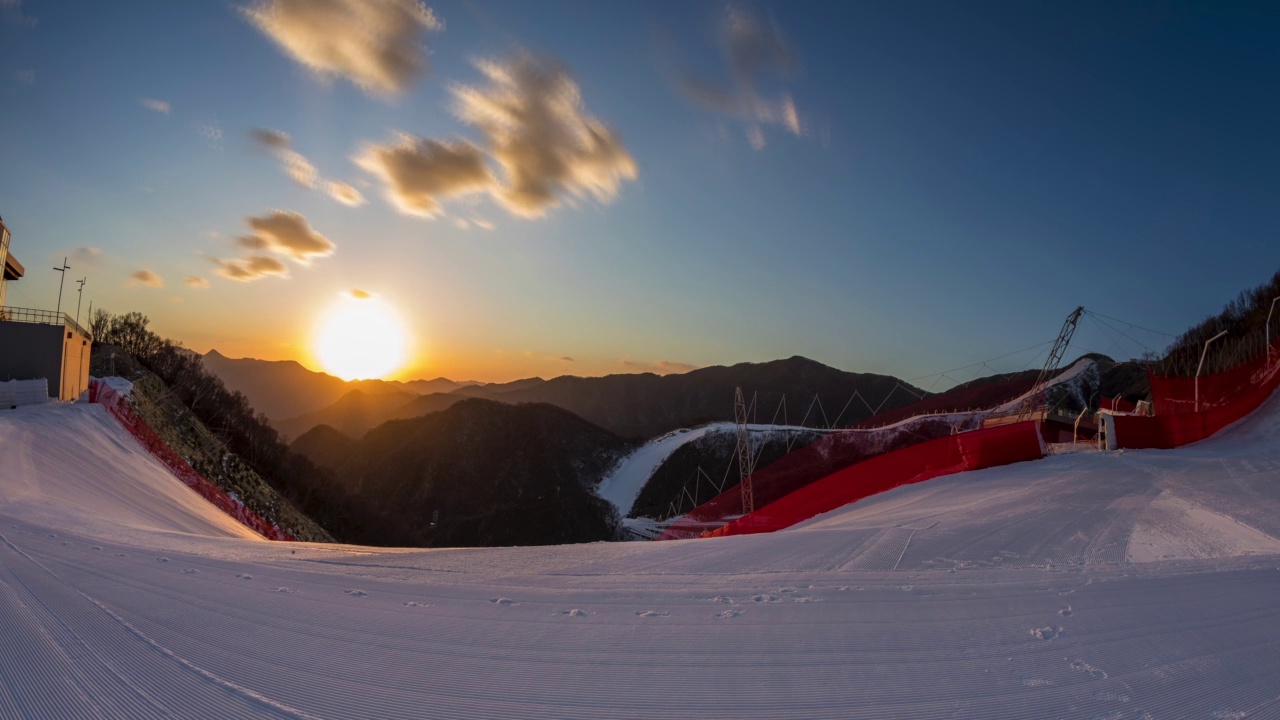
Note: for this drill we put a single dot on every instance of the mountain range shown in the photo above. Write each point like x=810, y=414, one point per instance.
x=639, y=405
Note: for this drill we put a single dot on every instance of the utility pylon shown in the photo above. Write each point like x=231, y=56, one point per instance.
x=1037, y=394
x=744, y=452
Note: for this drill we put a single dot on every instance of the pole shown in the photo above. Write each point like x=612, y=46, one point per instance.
x=1203, y=353
x=65, y=267
x=1273, y=309
x=80, y=297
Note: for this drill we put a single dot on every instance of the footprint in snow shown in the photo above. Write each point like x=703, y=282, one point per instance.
x=95, y=547
x=415, y=603
x=118, y=555
x=1085, y=667
x=652, y=613
x=52, y=535
x=162, y=559
x=805, y=599
x=766, y=598
x=722, y=599
x=244, y=576
x=64, y=542
x=506, y=602
x=1046, y=633
x=787, y=590
x=843, y=588
x=727, y=614
x=575, y=612
x=191, y=571
x=1065, y=612
x=285, y=590
x=356, y=593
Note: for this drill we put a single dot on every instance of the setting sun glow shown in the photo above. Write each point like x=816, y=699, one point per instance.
x=360, y=338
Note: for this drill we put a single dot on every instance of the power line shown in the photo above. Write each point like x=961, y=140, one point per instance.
x=1126, y=322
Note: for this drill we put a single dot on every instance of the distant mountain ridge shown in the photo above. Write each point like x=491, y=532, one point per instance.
x=282, y=389
x=644, y=405
x=481, y=473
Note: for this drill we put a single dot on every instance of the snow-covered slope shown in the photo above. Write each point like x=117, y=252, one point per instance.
x=1124, y=585
x=623, y=484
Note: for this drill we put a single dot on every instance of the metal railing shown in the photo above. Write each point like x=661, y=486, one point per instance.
x=41, y=317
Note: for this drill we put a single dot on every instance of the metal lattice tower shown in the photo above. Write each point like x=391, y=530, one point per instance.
x=1037, y=394
x=744, y=452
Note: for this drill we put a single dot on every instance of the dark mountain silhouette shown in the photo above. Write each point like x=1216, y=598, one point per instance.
x=353, y=414
x=485, y=472
x=282, y=389
x=645, y=405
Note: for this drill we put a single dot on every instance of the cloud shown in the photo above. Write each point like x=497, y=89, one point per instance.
x=661, y=367
x=253, y=267
x=159, y=106
x=11, y=11
x=462, y=223
x=359, y=294
x=196, y=282
x=270, y=139
x=537, y=129
x=89, y=257
x=298, y=167
x=566, y=358
x=482, y=223
x=287, y=233
x=418, y=172
x=345, y=194
x=754, y=51
x=375, y=44
x=145, y=278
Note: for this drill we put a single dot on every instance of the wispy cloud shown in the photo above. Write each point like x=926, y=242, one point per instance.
x=250, y=268
x=159, y=106
x=300, y=169
x=196, y=281
x=376, y=45
x=345, y=194
x=289, y=233
x=11, y=12
x=86, y=257
x=537, y=129
x=145, y=278
x=546, y=148
x=754, y=51
x=418, y=173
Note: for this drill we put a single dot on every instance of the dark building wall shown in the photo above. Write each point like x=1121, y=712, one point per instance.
x=29, y=351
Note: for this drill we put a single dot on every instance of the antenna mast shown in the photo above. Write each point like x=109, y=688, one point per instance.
x=1037, y=394
x=65, y=267
x=744, y=452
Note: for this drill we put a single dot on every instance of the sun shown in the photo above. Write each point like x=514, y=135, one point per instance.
x=360, y=338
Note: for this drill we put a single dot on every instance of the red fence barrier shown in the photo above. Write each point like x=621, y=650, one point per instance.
x=1182, y=418
x=123, y=412
x=815, y=461
x=989, y=447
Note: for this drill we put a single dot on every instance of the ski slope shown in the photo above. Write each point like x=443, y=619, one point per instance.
x=1110, y=585
x=623, y=484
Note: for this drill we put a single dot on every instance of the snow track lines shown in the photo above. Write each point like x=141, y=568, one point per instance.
x=119, y=408
x=990, y=447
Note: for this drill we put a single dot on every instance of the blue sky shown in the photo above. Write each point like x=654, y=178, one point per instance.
x=964, y=175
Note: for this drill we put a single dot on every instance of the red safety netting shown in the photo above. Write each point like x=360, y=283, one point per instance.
x=815, y=461
x=1182, y=417
x=123, y=412
x=1117, y=404
x=990, y=447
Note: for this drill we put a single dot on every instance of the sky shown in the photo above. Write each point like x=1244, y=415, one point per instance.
x=597, y=187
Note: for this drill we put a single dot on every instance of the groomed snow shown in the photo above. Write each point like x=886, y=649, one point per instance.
x=1125, y=585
